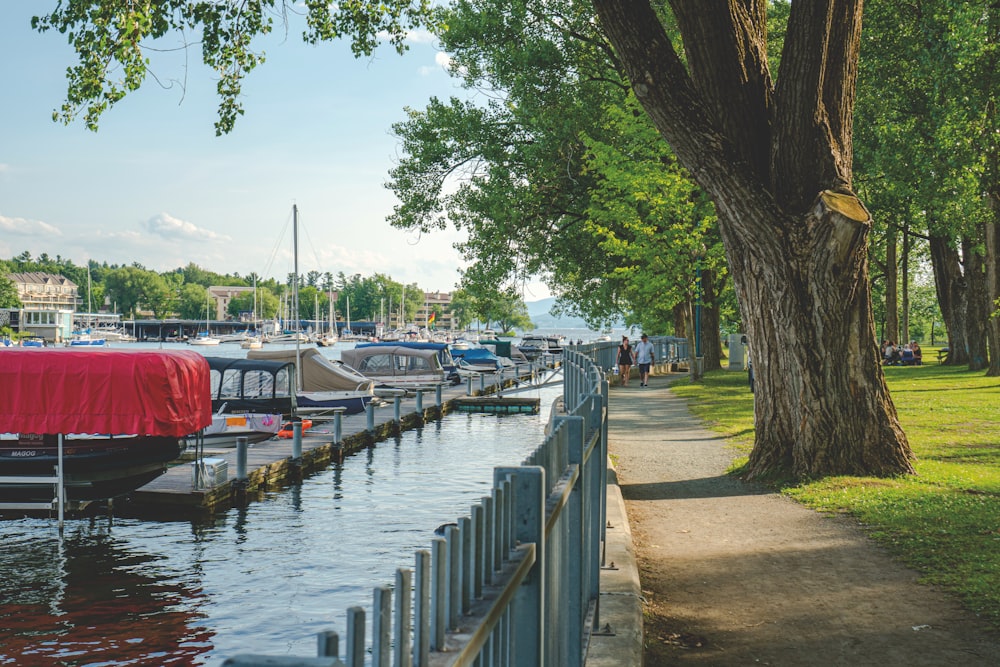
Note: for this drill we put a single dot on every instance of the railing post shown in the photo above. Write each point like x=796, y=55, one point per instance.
x=422, y=611
x=328, y=644
x=370, y=417
x=527, y=608
x=396, y=409
x=437, y=396
x=582, y=565
x=355, y=637
x=401, y=643
x=420, y=403
x=439, y=601
x=381, y=626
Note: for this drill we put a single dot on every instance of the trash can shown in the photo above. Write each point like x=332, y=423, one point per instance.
x=737, y=352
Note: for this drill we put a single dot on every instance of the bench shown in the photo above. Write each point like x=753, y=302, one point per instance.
x=942, y=353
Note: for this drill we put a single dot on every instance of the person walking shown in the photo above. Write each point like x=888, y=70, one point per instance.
x=626, y=357
x=644, y=357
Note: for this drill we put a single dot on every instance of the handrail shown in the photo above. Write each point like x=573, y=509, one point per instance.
x=517, y=581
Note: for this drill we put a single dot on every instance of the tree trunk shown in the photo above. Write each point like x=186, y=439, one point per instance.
x=950, y=285
x=777, y=164
x=992, y=235
x=711, y=343
x=891, y=330
x=978, y=304
x=904, y=287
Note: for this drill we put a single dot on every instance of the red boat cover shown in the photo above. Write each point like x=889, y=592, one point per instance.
x=150, y=392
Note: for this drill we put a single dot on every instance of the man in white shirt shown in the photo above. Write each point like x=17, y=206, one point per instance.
x=644, y=357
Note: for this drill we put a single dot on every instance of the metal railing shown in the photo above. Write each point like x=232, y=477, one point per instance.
x=516, y=582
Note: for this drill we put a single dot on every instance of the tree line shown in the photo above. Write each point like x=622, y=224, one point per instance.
x=183, y=293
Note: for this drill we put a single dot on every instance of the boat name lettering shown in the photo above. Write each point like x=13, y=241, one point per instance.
x=24, y=452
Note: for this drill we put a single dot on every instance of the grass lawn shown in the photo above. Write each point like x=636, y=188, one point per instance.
x=945, y=520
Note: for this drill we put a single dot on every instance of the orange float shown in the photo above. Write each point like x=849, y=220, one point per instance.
x=287, y=432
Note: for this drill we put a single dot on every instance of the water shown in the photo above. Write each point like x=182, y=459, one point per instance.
x=261, y=579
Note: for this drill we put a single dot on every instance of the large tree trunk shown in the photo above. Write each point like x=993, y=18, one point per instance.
x=777, y=164
x=950, y=285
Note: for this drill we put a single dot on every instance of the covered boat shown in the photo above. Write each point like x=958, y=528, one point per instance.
x=324, y=383
x=395, y=365
x=120, y=415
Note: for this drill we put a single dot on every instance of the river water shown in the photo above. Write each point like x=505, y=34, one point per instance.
x=260, y=579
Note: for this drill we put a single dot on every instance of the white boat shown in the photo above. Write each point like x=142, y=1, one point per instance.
x=252, y=343
x=226, y=428
x=206, y=337
x=203, y=339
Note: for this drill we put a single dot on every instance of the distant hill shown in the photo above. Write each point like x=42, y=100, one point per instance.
x=542, y=319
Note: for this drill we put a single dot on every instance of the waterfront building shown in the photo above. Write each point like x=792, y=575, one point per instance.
x=439, y=303
x=47, y=304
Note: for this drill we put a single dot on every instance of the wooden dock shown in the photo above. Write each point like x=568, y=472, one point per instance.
x=270, y=464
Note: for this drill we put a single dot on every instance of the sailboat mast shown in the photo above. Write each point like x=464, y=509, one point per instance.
x=295, y=293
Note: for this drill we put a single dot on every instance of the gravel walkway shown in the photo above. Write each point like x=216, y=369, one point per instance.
x=733, y=574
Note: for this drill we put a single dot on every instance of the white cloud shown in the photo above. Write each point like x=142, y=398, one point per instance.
x=25, y=227
x=169, y=227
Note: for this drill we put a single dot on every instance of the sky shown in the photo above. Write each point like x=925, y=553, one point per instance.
x=155, y=185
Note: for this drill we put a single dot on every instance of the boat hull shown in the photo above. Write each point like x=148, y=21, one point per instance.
x=94, y=468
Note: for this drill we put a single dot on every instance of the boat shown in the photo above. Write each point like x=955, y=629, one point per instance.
x=444, y=353
x=397, y=365
x=205, y=337
x=227, y=427
x=114, y=419
x=86, y=339
x=534, y=345
x=330, y=338
x=325, y=383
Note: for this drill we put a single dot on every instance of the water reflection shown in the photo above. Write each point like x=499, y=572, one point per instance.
x=90, y=598
x=259, y=579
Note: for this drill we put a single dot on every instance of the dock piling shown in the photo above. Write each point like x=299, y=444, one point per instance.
x=241, y=459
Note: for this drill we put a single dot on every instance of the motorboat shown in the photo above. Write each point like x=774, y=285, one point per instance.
x=397, y=365
x=534, y=345
x=227, y=427
x=324, y=383
x=113, y=419
x=443, y=351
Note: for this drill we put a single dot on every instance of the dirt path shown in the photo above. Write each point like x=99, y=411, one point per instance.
x=735, y=575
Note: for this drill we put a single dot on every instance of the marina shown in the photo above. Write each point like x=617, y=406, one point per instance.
x=223, y=582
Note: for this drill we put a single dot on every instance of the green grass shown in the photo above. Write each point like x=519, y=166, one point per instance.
x=945, y=520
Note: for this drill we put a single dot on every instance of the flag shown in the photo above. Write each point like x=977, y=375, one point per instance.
x=430, y=320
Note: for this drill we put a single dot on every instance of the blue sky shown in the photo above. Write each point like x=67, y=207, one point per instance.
x=156, y=186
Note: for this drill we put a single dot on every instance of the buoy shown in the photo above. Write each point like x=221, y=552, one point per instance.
x=287, y=432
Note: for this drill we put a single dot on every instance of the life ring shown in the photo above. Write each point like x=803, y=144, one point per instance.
x=288, y=432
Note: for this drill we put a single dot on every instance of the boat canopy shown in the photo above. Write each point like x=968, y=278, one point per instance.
x=443, y=349
x=254, y=385
x=318, y=372
x=393, y=364
x=155, y=392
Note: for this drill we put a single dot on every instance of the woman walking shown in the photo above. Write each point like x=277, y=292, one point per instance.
x=626, y=357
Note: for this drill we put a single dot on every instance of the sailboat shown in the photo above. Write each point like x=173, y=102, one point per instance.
x=86, y=337
x=330, y=337
x=321, y=384
x=206, y=338
x=253, y=341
